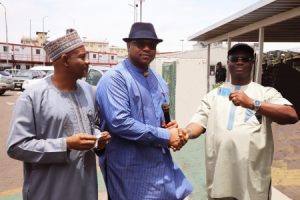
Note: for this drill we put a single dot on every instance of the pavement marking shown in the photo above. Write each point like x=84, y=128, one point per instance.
x=10, y=192
x=285, y=177
x=277, y=195
x=10, y=103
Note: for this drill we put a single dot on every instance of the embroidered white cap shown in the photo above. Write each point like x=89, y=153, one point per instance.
x=63, y=44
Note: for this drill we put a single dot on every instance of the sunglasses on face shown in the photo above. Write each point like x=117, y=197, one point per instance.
x=235, y=59
x=142, y=44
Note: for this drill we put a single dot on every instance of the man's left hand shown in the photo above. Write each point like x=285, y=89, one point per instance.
x=239, y=98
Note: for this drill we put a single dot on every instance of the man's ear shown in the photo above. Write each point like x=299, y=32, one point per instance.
x=64, y=59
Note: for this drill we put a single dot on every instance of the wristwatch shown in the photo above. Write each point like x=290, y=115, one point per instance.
x=256, y=105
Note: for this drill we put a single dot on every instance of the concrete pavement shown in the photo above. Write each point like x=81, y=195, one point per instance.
x=286, y=162
x=285, y=170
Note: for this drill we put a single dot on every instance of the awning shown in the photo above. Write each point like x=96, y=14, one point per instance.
x=280, y=19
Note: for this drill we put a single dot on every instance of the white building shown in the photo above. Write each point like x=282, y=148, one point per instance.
x=22, y=56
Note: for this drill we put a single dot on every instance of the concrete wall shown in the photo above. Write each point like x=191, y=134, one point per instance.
x=191, y=85
x=217, y=54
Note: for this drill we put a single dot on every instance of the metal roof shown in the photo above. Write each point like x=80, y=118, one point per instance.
x=280, y=19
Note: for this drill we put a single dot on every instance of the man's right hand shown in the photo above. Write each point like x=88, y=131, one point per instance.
x=177, y=139
x=81, y=141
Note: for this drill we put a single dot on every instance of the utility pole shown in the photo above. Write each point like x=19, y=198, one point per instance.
x=141, y=10
x=44, y=58
x=30, y=31
x=135, y=6
x=44, y=21
x=6, y=32
x=181, y=45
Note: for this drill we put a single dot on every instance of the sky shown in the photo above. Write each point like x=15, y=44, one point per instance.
x=110, y=20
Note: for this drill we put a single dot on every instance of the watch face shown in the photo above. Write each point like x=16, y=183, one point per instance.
x=257, y=105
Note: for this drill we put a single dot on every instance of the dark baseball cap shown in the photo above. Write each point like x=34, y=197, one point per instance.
x=243, y=47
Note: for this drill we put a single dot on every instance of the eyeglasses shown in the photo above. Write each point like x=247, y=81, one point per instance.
x=235, y=59
x=142, y=44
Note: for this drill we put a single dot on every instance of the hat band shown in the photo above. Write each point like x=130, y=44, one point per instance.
x=143, y=34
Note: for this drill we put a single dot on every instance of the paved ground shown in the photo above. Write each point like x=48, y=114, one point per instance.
x=285, y=171
x=10, y=170
x=286, y=163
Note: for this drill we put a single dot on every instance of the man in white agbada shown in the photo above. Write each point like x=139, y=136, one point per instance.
x=51, y=129
x=237, y=120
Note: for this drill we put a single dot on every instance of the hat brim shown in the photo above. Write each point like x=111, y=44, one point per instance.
x=144, y=38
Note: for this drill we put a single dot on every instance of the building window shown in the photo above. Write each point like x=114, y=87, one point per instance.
x=94, y=56
x=112, y=57
x=38, y=51
x=5, y=48
x=27, y=66
x=18, y=66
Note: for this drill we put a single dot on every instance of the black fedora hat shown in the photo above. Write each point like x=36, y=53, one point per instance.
x=141, y=30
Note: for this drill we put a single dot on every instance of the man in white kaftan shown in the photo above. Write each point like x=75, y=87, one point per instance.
x=238, y=159
x=237, y=119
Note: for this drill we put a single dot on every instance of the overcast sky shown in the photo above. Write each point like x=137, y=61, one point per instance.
x=110, y=20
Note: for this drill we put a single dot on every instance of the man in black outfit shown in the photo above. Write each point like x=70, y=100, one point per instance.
x=220, y=73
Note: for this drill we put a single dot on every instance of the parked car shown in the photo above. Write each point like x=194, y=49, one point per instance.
x=30, y=82
x=95, y=73
x=6, y=82
x=46, y=69
x=12, y=71
x=23, y=75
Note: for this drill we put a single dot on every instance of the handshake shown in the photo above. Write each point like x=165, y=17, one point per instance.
x=178, y=138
